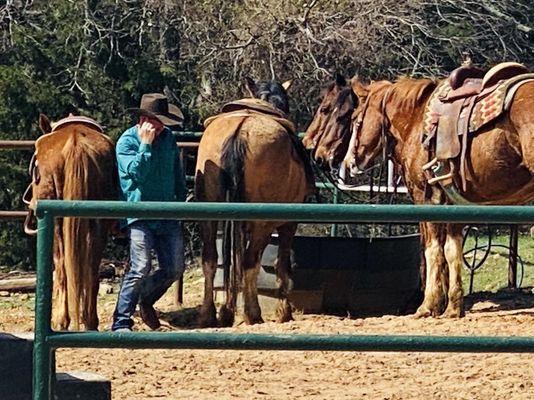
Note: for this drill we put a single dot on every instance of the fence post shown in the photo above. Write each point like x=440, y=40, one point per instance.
x=42, y=352
x=512, y=257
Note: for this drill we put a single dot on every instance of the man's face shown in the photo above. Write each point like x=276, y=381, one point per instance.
x=156, y=123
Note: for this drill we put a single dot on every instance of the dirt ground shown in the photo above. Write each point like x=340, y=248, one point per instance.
x=215, y=374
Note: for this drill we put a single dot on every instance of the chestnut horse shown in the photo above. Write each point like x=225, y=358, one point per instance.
x=500, y=169
x=74, y=160
x=250, y=154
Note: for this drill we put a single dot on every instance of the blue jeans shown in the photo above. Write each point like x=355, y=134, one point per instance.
x=140, y=285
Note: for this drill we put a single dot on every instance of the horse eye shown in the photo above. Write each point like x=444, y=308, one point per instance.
x=325, y=109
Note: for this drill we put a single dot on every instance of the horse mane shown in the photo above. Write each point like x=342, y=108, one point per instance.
x=272, y=92
x=409, y=94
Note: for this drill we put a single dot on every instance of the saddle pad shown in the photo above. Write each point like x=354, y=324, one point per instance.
x=253, y=104
x=492, y=106
x=288, y=125
x=432, y=114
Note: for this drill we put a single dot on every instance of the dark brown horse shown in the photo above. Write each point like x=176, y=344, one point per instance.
x=74, y=160
x=500, y=169
x=250, y=153
x=328, y=134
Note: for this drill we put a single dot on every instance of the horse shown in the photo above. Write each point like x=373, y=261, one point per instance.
x=74, y=160
x=328, y=134
x=250, y=153
x=500, y=168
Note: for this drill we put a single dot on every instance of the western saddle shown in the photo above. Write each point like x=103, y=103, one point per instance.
x=468, y=99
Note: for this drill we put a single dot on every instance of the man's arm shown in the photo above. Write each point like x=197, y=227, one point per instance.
x=134, y=161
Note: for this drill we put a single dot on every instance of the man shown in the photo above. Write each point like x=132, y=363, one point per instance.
x=150, y=170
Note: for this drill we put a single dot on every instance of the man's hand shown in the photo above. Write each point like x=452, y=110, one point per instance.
x=147, y=132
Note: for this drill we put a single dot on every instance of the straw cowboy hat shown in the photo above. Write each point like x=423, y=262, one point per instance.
x=156, y=105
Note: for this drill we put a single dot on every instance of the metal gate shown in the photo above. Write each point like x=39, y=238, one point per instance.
x=46, y=340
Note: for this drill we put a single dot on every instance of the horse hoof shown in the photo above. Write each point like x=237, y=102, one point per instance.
x=253, y=320
x=226, y=317
x=422, y=312
x=283, y=314
x=207, y=317
x=284, y=318
x=453, y=313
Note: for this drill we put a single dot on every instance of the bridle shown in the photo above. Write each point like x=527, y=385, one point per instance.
x=33, y=171
x=385, y=140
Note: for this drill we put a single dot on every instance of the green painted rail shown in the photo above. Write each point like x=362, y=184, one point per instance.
x=202, y=340
x=46, y=340
x=289, y=212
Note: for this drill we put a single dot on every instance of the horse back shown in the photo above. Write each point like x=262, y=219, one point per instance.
x=272, y=169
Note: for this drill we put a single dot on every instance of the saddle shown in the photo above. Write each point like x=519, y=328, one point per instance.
x=461, y=105
x=253, y=107
x=250, y=107
x=33, y=169
x=77, y=119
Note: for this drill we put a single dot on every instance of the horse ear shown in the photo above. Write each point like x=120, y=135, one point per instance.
x=359, y=88
x=340, y=80
x=287, y=84
x=44, y=124
x=250, y=85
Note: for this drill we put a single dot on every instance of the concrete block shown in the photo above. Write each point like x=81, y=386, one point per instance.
x=16, y=360
x=16, y=352
x=82, y=386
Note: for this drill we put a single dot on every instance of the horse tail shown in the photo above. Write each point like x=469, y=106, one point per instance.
x=233, y=156
x=78, y=165
x=234, y=151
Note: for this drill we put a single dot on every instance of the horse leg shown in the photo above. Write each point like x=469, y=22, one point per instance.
x=283, y=268
x=453, y=254
x=91, y=296
x=208, y=231
x=60, y=311
x=90, y=316
x=436, y=279
x=259, y=239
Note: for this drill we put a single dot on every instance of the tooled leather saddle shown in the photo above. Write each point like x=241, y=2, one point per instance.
x=462, y=104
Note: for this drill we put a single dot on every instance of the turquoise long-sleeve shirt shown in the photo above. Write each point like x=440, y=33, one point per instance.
x=150, y=172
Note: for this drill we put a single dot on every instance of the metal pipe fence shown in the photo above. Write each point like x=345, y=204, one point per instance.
x=46, y=340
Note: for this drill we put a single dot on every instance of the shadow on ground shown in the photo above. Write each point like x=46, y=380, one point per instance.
x=186, y=318
x=503, y=300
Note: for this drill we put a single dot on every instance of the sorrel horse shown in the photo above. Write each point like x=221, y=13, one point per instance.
x=250, y=153
x=74, y=160
x=500, y=168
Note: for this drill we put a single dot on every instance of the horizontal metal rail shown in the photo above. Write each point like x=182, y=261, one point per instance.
x=288, y=212
x=243, y=341
x=17, y=144
x=13, y=214
x=30, y=145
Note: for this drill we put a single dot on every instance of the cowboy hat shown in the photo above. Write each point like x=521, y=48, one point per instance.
x=156, y=105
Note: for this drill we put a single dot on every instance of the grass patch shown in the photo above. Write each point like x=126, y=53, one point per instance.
x=493, y=275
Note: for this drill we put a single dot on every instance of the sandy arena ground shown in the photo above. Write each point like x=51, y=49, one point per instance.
x=214, y=374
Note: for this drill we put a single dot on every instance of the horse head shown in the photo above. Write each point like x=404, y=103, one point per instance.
x=369, y=125
x=39, y=188
x=329, y=132
x=271, y=92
